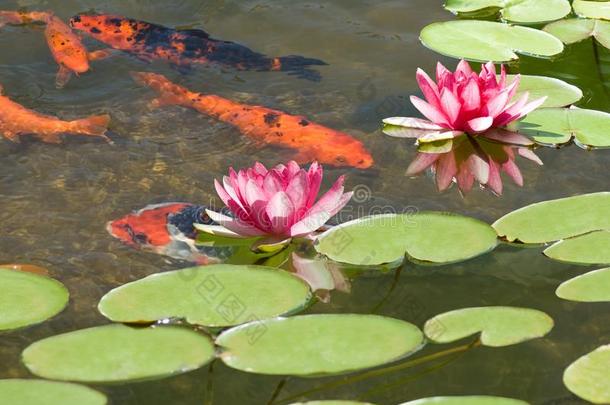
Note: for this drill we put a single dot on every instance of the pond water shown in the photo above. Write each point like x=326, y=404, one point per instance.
x=57, y=199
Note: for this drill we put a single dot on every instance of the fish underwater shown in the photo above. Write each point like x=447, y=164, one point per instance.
x=183, y=48
x=16, y=120
x=167, y=229
x=65, y=46
x=265, y=125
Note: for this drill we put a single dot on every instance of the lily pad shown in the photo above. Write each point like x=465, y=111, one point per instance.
x=557, y=126
x=592, y=9
x=484, y=41
x=589, y=287
x=117, y=353
x=466, y=400
x=31, y=392
x=575, y=30
x=311, y=345
x=589, y=376
x=498, y=326
x=592, y=248
x=27, y=298
x=434, y=237
x=216, y=296
x=549, y=221
x=558, y=92
x=518, y=11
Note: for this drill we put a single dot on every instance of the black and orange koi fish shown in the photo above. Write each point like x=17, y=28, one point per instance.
x=183, y=48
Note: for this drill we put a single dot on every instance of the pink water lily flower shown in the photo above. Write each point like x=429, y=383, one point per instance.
x=279, y=202
x=464, y=102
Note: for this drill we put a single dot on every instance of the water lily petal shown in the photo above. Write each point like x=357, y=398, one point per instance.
x=495, y=181
x=428, y=88
x=314, y=178
x=471, y=96
x=280, y=210
x=509, y=167
x=234, y=225
x=479, y=167
x=505, y=136
x=438, y=136
x=410, y=122
x=450, y=105
x=429, y=111
x=446, y=169
x=421, y=162
x=297, y=190
x=478, y=125
x=529, y=154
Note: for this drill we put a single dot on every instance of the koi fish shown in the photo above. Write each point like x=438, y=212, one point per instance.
x=167, y=229
x=265, y=125
x=183, y=48
x=16, y=120
x=65, y=46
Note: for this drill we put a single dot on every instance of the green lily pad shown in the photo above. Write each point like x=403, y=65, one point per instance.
x=484, y=41
x=27, y=299
x=549, y=221
x=589, y=376
x=591, y=248
x=466, y=400
x=312, y=345
x=575, y=30
x=556, y=126
x=216, y=296
x=518, y=11
x=589, y=287
x=117, y=353
x=31, y=392
x=592, y=9
x=498, y=326
x=434, y=237
x=558, y=92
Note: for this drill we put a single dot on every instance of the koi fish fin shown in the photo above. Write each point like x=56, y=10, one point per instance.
x=11, y=136
x=164, y=100
x=100, y=54
x=49, y=138
x=63, y=77
x=95, y=125
x=304, y=156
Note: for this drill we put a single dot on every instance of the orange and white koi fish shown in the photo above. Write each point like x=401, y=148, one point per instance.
x=65, y=46
x=265, y=125
x=16, y=120
x=183, y=48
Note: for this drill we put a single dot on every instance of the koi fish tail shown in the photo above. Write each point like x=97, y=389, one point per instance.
x=298, y=66
x=95, y=125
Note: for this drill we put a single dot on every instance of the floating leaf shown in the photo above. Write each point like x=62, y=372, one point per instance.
x=498, y=326
x=216, y=296
x=558, y=92
x=592, y=9
x=523, y=11
x=589, y=287
x=556, y=126
x=114, y=353
x=549, y=221
x=27, y=298
x=485, y=41
x=575, y=30
x=592, y=248
x=36, y=392
x=589, y=376
x=318, y=344
x=435, y=237
x=466, y=400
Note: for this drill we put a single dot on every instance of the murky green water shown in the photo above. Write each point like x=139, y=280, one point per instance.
x=56, y=200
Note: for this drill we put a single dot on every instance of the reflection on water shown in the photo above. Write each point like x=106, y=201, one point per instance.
x=57, y=199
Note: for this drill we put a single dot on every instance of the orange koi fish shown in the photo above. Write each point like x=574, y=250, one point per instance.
x=265, y=125
x=16, y=120
x=66, y=47
x=182, y=48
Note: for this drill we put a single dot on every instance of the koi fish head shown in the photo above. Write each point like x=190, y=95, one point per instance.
x=113, y=30
x=66, y=47
x=146, y=227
